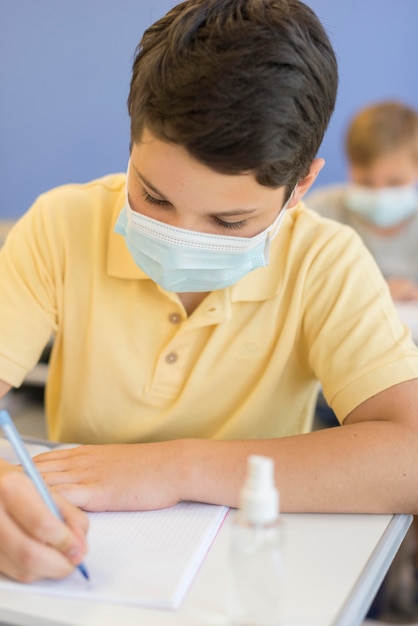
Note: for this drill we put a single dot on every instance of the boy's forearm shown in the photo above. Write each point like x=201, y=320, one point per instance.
x=370, y=467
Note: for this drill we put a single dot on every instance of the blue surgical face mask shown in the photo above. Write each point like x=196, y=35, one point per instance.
x=383, y=207
x=183, y=260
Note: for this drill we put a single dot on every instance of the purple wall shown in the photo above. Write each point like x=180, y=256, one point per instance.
x=65, y=70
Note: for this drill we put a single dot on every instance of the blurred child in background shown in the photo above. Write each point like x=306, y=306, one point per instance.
x=380, y=200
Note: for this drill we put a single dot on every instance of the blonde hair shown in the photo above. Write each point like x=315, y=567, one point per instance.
x=380, y=129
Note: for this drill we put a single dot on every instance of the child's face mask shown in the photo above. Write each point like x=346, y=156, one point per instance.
x=384, y=207
x=183, y=260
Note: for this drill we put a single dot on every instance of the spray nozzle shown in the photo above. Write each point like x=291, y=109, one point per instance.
x=259, y=498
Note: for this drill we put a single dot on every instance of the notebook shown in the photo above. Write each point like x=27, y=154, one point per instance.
x=8, y=454
x=146, y=558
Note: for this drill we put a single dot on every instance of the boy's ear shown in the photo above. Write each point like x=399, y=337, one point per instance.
x=306, y=183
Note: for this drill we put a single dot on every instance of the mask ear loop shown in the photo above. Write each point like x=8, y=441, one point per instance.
x=277, y=222
x=276, y=225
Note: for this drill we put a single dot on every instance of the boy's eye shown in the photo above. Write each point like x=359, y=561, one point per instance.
x=219, y=222
x=151, y=199
x=239, y=224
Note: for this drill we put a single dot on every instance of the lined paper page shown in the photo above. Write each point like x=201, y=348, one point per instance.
x=147, y=558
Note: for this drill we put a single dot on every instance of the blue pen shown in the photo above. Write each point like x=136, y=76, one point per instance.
x=28, y=465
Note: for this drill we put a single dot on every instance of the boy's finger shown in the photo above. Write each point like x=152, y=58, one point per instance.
x=24, y=505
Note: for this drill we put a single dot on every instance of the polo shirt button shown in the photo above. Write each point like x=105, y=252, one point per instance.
x=174, y=318
x=171, y=357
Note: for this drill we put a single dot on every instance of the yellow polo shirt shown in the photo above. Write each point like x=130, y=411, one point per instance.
x=129, y=365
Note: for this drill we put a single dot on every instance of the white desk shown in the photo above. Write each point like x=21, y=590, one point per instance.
x=335, y=564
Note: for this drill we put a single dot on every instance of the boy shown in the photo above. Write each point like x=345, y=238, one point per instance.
x=381, y=200
x=196, y=303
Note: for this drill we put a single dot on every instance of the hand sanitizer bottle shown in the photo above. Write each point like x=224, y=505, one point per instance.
x=256, y=549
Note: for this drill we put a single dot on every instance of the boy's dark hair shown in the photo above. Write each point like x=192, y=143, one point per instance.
x=244, y=85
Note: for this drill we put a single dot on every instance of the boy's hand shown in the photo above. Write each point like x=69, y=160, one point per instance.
x=116, y=477
x=34, y=544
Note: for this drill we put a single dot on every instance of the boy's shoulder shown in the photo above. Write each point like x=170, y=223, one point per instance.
x=328, y=200
x=314, y=238
x=109, y=184
x=85, y=203
x=305, y=218
x=74, y=211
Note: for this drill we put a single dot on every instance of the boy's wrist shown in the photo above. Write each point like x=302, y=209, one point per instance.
x=184, y=468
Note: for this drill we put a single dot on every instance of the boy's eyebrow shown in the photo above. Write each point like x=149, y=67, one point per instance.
x=230, y=213
x=234, y=212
